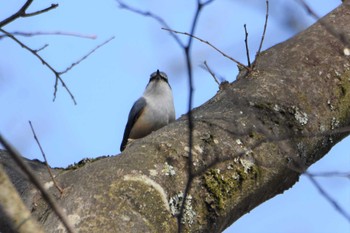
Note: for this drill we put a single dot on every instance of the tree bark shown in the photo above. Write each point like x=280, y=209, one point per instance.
x=251, y=141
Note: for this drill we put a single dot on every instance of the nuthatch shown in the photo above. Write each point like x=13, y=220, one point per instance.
x=152, y=111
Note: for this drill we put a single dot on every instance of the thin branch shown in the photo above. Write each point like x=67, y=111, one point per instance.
x=57, y=74
x=246, y=45
x=264, y=32
x=308, y=9
x=330, y=174
x=42, y=48
x=207, y=68
x=28, y=171
x=161, y=21
x=187, y=50
x=46, y=163
x=30, y=34
x=85, y=56
x=22, y=12
x=328, y=197
x=53, y=6
x=208, y=43
x=17, y=15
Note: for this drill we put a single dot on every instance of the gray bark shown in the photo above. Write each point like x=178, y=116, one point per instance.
x=251, y=141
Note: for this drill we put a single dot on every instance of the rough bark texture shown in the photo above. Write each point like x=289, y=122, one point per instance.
x=251, y=142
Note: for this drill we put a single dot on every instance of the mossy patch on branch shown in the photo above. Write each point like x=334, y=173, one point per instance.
x=222, y=185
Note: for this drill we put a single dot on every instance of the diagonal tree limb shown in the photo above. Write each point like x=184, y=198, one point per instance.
x=12, y=205
x=32, y=177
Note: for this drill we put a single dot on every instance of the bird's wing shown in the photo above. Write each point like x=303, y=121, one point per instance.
x=134, y=114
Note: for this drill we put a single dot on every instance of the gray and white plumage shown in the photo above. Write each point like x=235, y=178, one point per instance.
x=152, y=111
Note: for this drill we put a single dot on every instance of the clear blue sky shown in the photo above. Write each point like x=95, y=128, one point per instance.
x=107, y=83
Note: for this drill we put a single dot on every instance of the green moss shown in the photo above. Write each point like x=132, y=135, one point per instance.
x=344, y=97
x=220, y=186
x=256, y=136
x=224, y=185
x=263, y=105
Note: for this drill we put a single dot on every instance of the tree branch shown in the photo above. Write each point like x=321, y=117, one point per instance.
x=38, y=33
x=44, y=156
x=56, y=73
x=264, y=31
x=324, y=194
x=53, y=6
x=86, y=56
x=343, y=37
x=151, y=15
x=32, y=177
x=207, y=68
x=208, y=43
x=22, y=13
x=246, y=45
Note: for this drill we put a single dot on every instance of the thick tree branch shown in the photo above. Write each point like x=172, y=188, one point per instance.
x=251, y=141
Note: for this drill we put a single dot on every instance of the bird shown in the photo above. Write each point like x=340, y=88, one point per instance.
x=153, y=110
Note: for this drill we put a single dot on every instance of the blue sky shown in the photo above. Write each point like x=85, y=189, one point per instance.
x=107, y=83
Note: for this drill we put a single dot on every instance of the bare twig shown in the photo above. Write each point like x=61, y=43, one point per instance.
x=246, y=45
x=330, y=174
x=328, y=197
x=30, y=34
x=264, y=32
x=28, y=171
x=86, y=56
x=207, y=68
x=57, y=74
x=22, y=13
x=152, y=15
x=46, y=163
x=42, y=48
x=208, y=43
x=18, y=14
x=53, y=6
x=308, y=9
x=187, y=50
